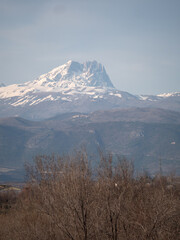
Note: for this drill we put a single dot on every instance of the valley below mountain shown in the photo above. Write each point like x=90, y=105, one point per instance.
x=76, y=105
x=148, y=137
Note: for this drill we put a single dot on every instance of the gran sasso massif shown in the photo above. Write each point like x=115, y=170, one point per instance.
x=74, y=87
x=77, y=105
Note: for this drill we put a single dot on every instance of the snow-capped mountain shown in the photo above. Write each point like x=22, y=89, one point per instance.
x=66, y=83
x=159, y=96
x=70, y=78
x=72, y=87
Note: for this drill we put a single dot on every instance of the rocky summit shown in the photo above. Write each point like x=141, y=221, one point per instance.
x=74, y=87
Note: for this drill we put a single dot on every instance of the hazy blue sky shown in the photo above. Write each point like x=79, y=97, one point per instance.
x=138, y=41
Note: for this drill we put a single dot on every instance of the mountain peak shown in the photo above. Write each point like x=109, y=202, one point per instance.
x=72, y=73
x=73, y=66
x=70, y=77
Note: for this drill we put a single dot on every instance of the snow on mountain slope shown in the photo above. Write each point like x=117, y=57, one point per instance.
x=74, y=87
x=166, y=95
x=159, y=96
x=63, y=83
x=71, y=77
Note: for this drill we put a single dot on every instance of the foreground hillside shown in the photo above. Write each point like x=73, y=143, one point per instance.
x=66, y=199
x=149, y=137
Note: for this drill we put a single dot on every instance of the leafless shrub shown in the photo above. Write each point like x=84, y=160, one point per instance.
x=63, y=200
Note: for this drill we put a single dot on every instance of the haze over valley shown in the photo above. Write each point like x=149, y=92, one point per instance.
x=76, y=105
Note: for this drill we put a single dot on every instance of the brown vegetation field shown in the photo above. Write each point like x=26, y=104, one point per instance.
x=65, y=198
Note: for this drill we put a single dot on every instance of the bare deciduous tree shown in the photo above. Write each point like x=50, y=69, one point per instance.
x=65, y=199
